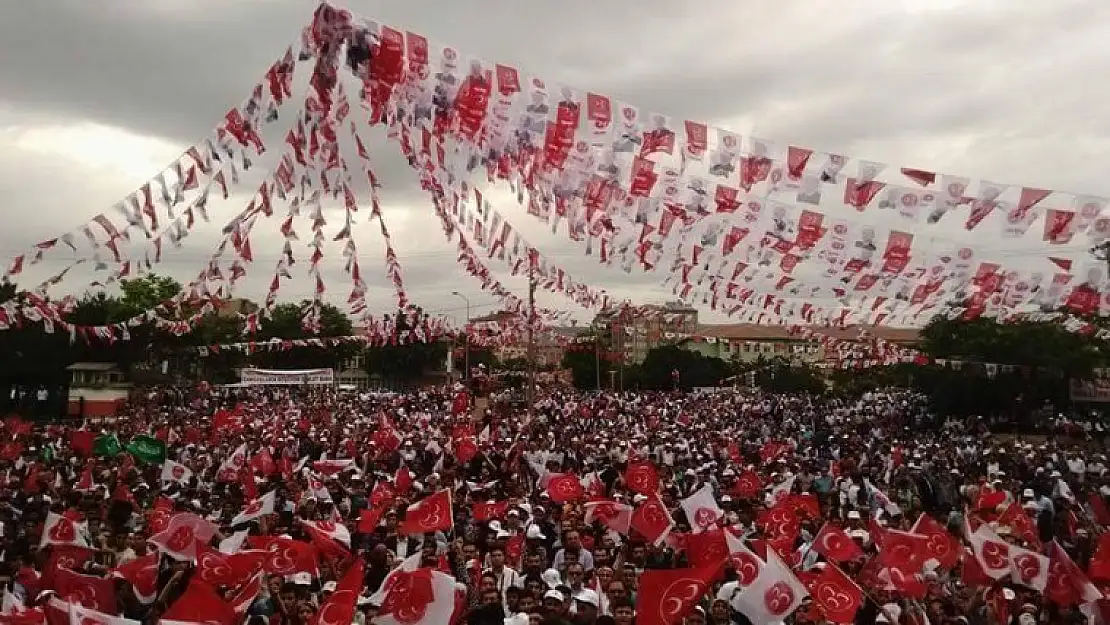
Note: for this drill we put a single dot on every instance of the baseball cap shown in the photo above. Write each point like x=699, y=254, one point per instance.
x=587, y=596
x=554, y=594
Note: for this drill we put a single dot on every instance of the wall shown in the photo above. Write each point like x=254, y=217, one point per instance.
x=99, y=402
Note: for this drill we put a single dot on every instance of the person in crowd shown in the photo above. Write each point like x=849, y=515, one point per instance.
x=253, y=505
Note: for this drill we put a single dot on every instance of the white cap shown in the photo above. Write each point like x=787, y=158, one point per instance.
x=329, y=587
x=551, y=577
x=302, y=579
x=853, y=515
x=587, y=596
x=534, y=533
x=554, y=594
x=893, y=610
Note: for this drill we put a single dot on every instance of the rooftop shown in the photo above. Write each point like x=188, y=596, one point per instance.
x=755, y=332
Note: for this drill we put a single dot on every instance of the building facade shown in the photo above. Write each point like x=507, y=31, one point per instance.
x=746, y=342
x=633, y=335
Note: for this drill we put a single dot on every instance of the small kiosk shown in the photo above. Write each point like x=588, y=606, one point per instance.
x=96, y=389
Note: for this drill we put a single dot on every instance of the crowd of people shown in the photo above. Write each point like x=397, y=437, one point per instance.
x=303, y=506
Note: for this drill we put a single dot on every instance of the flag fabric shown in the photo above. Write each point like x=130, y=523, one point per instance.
x=641, y=477
x=615, y=516
x=1067, y=585
x=179, y=539
x=90, y=591
x=339, y=609
x=142, y=574
x=256, y=509
x=61, y=530
x=833, y=543
x=80, y=615
x=666, y=596
x=430, y=514
x=332, y=530
x=744, y=561
x=652, y=520
x=107, y=445
x=200, y=603
x=702, y=511
x=564, y=488
x=774, y=595
x=838, y=597
x=437, y=612
x=991, y=552
x=147, y=449
x=175, y=472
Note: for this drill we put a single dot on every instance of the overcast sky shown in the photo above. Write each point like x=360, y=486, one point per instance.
x=96, y=97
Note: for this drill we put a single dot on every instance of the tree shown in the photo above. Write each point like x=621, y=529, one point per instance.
x=479, y=355
x=286, y=323
x=1043, y=345
x=404, y=362
x=780, y=375
x=583, y=358
x=1003, y=368
x=657, y=370
x=147, y=292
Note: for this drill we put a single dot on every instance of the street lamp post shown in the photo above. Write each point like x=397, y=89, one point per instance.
x=466, y=335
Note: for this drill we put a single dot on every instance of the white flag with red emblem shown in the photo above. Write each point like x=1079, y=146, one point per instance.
x=333, y=530
x=317, y=489
x=702, y=511
x=229, y=470
x=332, y=467
x=991, y=551
x=746, y=563
x=615, y=516
x=415, y=611
x=1029, y=568
x=256, y=509
x=773, y=596
x=62, y=530
x=79, y=615
x=430, y=514
x=179, y=539
x=779, y=492
x=175, y=472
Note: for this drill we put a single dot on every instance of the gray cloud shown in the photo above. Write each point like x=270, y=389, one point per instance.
x=1006, y=91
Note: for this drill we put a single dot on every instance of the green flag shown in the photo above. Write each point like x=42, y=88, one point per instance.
x=106, y=445
x=148, y=449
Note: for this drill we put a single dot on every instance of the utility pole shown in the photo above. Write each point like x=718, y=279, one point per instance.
x=466, y=336
x=597, y=357
x=531, y=392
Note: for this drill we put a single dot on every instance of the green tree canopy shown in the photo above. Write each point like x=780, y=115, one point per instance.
x=141, y=294
x=583, y=360
x=694, y=369
x=405, y=363
x=1042, y=345
x=286, y=322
